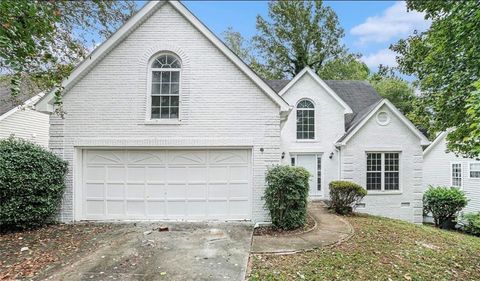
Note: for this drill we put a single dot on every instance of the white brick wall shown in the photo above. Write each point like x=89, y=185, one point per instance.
x=217, y=101
x=437, y=171
x=329, y=127
x=393, y=137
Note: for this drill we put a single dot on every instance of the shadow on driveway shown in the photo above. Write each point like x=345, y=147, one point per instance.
x=188, y=251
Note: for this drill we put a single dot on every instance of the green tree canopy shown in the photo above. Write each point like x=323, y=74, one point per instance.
x=446, y=60
x=40, y=41
x=298, y=34
x=348, y=67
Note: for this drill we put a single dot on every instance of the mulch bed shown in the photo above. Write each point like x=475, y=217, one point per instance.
x=269, y=230
x=48, y=246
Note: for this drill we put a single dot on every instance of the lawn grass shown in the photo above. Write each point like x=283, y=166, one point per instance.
x=381, y=249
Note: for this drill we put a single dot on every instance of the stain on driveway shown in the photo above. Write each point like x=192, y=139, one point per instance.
x=188, y=251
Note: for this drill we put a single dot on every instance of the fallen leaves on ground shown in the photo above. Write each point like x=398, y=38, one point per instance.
x=381, y=249
x=53, y=245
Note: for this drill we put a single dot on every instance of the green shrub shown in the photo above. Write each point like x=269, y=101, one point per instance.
x=286, y=196
x=31, y=184
x=444, y=203
x=471, y=223
x=344, y=195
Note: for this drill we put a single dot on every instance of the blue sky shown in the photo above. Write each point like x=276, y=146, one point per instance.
x=370, y=26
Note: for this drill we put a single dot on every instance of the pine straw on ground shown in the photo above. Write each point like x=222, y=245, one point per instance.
x=49, y=246
x=381, y=249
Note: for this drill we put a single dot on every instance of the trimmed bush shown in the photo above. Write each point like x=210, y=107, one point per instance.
x=471, y=223
x=286, y=196
x=31, y=184
x=444, y=203
x=344, y=195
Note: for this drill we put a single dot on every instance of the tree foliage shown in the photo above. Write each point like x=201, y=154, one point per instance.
x=348, y=67
x=41, y=41
x=298, y=34
x=446, y=60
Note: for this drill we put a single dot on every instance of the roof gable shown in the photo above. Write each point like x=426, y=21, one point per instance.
x=308, y=71
x=435, y=142
x=358, y=126
x=138, y=19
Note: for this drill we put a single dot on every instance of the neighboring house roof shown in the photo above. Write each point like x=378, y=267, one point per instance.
x=8, y=107
x=360, y=96
x=369, y=112
x=101, y=51
x=436, y=141
x=6, y=101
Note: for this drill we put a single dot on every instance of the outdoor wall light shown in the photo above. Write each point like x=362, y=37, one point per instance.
x=283, y=155
x=261, y=149
x=331, y=155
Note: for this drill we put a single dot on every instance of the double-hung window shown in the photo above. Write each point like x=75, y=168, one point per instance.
x=383, y=171
x=475, y=170
x=165, y=87
x=456, y=174
x=305, y=120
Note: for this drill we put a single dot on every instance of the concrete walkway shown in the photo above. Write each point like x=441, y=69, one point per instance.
x=330, y=229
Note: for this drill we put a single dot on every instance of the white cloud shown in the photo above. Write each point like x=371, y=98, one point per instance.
x=393, y=22
x=383, y=56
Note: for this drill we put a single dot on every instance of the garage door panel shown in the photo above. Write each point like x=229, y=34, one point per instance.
x=197, y=192
x=116, y=174
x=141, y=157
x=166, y=184
x=135, y=191
x=105, y=157
x=176, y=191
x=218, y=174
x=115, y=190
x=155, y=191
x=239, y=190
x=197, y=174
x=95, y=207
x=239, y=173
x=156, y=209
x=222, y=157
x=94, y=190
x=136, y=174
x=155, y=174
x=135, y=208
x=187, y=157
x=94, y=173
x=115, y=207
x=176, y=209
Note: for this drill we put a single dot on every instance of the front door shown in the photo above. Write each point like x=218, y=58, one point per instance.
x=312, y=163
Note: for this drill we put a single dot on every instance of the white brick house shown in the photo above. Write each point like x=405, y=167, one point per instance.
x=165, y=122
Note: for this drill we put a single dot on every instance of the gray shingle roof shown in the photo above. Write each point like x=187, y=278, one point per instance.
x=359, y=95
x=5, y=100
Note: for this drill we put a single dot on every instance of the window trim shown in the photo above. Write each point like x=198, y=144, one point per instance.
x=314, y=109
x=382, y=189
x=470, y=170
x=461, y=174
x=148, y=108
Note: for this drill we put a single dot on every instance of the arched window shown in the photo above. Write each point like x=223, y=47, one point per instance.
x=305, y=120
x=165, y=91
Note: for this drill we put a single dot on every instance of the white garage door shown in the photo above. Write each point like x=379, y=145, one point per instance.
x=166, y=184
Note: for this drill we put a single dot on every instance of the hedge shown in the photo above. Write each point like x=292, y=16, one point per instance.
x=32, y=181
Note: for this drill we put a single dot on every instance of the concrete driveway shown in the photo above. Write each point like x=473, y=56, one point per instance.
x=187, y=251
